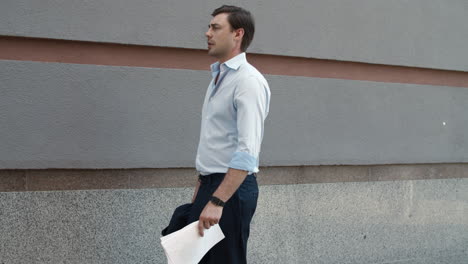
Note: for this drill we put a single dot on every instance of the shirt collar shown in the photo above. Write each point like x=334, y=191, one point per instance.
x=233, y=63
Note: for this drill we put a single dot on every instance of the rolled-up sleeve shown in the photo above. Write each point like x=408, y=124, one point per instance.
x=251, y=101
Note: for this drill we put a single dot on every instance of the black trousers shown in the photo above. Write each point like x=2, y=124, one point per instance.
x=235, y=221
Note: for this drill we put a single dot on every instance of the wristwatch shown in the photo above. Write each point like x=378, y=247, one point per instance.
x=216, y=201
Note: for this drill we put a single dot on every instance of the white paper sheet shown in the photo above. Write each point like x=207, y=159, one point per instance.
x=186, y=246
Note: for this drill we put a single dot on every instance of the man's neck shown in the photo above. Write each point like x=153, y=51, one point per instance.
x=232, y=55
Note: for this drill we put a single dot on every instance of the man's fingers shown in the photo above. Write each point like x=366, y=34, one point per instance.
x=206, y=224
x=200, y=228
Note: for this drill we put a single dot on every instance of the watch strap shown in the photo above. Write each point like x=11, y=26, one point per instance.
x=216, y=201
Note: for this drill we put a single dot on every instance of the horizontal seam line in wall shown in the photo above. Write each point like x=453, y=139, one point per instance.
x=20, y=180
x=113, y=54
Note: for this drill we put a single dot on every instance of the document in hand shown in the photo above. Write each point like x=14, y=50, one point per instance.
x=186, y=246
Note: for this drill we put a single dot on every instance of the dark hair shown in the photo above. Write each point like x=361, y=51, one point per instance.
x=239, y=18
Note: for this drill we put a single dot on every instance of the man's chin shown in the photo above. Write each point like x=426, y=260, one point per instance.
x=211, y=52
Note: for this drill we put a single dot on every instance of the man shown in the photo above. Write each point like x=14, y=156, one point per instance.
x=235, y=107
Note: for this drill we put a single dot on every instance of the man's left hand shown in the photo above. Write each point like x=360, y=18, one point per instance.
x=209, y=217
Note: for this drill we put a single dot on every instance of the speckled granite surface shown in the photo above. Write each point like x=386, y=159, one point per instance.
x=422, y=221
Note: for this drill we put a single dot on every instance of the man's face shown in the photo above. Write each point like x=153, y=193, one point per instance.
x=220, y=37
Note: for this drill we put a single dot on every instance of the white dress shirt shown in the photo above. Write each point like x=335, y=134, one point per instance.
x=233, y=118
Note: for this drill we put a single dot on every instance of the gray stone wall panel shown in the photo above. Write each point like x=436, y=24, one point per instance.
x=86, y=116
x=421, y=33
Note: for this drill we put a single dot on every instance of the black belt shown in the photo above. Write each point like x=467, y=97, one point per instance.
x=215, y=177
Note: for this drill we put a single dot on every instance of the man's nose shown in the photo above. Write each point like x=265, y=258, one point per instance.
x=207, y=34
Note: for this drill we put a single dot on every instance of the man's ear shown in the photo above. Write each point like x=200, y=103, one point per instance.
x=239, y=33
